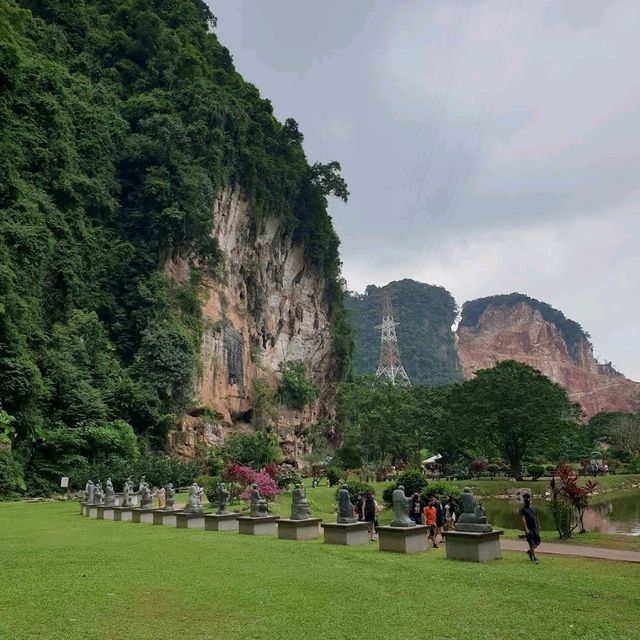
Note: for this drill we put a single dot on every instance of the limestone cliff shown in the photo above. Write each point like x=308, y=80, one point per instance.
x=491, y=331
x=267, y=307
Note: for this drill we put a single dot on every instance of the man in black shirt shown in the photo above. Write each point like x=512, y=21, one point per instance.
x=531, y=527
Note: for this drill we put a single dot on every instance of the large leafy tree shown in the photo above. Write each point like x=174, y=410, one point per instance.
x=516, y=409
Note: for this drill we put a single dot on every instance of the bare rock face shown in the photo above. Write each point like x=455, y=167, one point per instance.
x=519, y=332
x=268, y=307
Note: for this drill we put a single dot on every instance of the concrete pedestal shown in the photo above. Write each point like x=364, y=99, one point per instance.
x=164, y=517
x=93, y=511
x=82, y=504
x=123, y=514
x=403, y=539
x=264, y=526
x=142, y=516
x=473, y=547
x=307, y=529
x=105, y=512
x=347, y=534
x=221, y=522
x=189, y=520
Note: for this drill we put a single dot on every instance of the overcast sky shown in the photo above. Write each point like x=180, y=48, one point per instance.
x=489, y=146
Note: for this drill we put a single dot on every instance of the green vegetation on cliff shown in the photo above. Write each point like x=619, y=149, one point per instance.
x=573, y=334
x=424, y=314
x=121, y=121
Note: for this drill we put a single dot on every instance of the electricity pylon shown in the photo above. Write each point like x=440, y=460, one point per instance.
x=389, y=365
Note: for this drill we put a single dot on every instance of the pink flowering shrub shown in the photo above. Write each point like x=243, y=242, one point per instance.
x=266, y=486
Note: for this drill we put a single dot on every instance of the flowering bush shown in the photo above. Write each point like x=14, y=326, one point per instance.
x=266, y=486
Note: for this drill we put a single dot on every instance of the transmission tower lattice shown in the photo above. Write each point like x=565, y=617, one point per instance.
x=390, y=366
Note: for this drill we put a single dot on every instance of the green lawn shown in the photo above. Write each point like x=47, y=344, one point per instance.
x=64, y=576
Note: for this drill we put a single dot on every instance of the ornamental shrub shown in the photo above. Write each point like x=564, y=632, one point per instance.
x=355, y=486
x=266, y=486
x=412, y=480
x=535, y=471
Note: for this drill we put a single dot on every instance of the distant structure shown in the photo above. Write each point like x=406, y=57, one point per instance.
x=390, y=366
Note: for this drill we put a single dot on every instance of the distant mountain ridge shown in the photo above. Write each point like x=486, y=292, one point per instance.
x=491, y=329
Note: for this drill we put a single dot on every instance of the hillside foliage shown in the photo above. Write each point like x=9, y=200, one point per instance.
x=121, y=121
x=424, y=314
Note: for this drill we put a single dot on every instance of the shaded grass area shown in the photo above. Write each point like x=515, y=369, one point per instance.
x=69, y=577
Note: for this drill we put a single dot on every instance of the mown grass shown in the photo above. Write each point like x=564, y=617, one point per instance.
x=69, y=577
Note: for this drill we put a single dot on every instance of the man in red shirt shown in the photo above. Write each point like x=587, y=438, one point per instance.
x=430, y=520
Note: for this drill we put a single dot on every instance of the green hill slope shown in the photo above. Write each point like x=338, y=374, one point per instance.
x=425, y=314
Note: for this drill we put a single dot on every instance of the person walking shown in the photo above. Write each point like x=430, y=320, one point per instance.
x=430, y=520
x=359, y=506
x=450, y=513
x=417, y=506
x=439, y=518
x=531, y=527
x=371, y=514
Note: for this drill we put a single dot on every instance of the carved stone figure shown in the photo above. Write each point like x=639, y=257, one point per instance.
x=222, y=498
x=170, y=494
x=109, y=494
x=299, y=504
x=126, y=492
x=259, y=507
x=345, y=506
x=193, y=500
x=98, y=494
x=89, y=492
x=472, y=519
x=401, y=507
x=146, y=498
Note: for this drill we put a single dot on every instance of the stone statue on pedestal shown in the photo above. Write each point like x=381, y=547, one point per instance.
x=472, y=519
x=193, y=500
x=146, y=498
x=401, y=507
x=98, y=494
x=89, y=492
x=299, y=504
x=222, y=498
x=170, y=494
x=259, y=507
x=345, y=506
x=126, y=493
x=109, y=494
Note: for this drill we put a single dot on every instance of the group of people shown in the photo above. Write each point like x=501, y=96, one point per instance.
x=435, y=515
x=431, y=513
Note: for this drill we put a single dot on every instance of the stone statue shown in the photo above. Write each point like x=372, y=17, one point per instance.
x=472, y=519
x=258, y=503
x=345, y=507
x=401, y=507
x=170, y=494
x=146, y=499
x=89, y=492
x=193, y=500
x=126, y=493
x=98, y=494
x=109, y=494
x=299, y=504
x=222, y=498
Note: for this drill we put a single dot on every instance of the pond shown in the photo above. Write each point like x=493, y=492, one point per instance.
x=619, y=513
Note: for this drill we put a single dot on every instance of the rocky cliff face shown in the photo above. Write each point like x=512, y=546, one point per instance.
x=267, y=308
x=520, y=332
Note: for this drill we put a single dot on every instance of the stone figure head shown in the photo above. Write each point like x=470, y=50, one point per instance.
x=400, y=486
x=344, y=486
x=466, y=490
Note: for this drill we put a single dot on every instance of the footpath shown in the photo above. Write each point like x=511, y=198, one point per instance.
x=581, y=551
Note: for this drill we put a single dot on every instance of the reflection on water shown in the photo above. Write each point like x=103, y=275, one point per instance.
x=618, y=514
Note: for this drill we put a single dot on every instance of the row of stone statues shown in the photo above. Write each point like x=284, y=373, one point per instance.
x=472, y=517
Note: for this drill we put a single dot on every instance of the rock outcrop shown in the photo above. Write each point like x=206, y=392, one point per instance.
x=267, y=307
x=520, y=332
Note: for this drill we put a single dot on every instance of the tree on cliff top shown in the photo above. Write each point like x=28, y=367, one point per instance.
x=515, y=408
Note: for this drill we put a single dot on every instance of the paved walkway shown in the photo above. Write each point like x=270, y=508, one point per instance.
x=573, y=550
